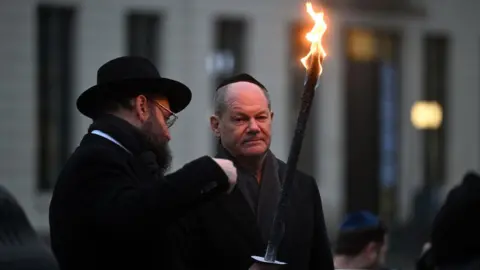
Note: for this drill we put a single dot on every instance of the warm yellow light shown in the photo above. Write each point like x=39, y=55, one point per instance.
x=317, y=52
x=361, y=45
x=426, y=115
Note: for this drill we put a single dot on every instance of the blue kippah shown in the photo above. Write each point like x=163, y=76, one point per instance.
x=359, y=220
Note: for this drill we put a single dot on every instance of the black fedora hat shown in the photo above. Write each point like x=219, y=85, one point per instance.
x=128, y=76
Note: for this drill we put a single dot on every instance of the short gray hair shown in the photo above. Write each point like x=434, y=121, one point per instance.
x=220, y=99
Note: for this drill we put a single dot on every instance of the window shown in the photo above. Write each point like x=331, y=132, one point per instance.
x=389, y=64
x=299, y=47
x=230, y=44
x=372, y=118
x=436, y=74
x=394, y=7
x=229, y=51
x=143, y=35
x=55, y=31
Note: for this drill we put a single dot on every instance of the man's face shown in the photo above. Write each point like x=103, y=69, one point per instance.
x=244, y=128
x=156, y=132
x=376, y=253
x=155, y=124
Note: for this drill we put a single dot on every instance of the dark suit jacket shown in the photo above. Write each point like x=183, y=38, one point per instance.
x=108, y=211
x=223, y=234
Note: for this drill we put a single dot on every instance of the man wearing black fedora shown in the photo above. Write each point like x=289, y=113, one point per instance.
x=113, y=205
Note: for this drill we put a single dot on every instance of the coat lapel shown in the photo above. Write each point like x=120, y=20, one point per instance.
x=241, y=209
x=269, y=195
x=242, y=217
x=143, y=164
x=252, y=210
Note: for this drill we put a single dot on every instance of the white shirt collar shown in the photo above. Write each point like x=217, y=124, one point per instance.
x=110, y=138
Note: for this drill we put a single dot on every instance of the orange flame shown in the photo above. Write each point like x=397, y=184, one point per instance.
x=317, y=52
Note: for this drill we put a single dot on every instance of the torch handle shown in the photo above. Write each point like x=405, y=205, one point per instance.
x=277, y=231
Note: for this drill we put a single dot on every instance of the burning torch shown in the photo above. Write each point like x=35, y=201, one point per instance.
x=313, y=65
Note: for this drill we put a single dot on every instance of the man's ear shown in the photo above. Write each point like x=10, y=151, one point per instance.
x=371, y=250
x=141, y=108
x=215, y=125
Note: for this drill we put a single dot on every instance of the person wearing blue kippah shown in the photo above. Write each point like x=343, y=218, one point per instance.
x=362, y=242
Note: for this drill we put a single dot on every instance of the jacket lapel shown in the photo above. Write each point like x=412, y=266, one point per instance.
x=269, y=195
x=240, y=210
x=139, y=166
x=242, y=218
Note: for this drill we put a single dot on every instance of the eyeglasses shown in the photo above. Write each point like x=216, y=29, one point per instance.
x=170, y=120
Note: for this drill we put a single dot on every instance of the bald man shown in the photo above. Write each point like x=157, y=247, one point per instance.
x=225, y=233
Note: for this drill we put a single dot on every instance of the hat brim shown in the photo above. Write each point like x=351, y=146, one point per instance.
x=90, y=102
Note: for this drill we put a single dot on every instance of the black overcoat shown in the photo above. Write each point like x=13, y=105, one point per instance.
x=225, y=233
x=110, y=210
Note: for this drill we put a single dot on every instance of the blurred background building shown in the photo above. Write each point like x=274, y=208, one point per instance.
x=367, y=144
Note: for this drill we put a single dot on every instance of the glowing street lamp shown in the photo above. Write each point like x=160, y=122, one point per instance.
x=426, y=115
